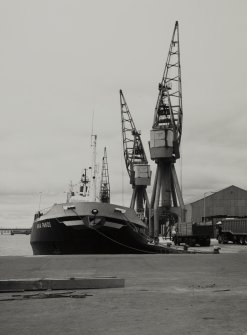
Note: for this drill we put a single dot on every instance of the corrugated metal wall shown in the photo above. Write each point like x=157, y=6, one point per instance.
x=231, y=201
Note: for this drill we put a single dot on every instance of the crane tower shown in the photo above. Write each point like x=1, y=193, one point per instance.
x=166, y=205
x=136, y=162
x=104, y=194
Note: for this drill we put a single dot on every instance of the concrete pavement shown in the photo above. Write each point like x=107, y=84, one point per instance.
x=163, y=294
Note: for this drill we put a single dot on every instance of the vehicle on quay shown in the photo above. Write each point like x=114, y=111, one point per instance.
x=232, y=230
x=192, y=234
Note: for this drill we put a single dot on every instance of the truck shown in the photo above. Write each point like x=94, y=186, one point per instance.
x=192, y=234
x=234, y=230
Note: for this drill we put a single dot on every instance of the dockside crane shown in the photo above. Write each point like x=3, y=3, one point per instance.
x=166, y=205
x=136, y=162
x=104, y=194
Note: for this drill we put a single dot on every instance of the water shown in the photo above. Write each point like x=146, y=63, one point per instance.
x=15, y=245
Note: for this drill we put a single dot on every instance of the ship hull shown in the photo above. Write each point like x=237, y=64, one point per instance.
x=87, y=240
x=77, y=231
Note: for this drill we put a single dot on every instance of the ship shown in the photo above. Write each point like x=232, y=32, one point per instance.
x=88, y=228
x=81, y=225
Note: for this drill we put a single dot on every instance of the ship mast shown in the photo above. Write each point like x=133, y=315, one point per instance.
x=84, y=188
x=94, y=166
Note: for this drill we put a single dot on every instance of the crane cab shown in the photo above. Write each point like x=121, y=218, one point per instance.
x=142, y=174
x=161, y=143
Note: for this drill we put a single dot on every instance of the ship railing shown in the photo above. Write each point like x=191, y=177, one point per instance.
x=41, y=212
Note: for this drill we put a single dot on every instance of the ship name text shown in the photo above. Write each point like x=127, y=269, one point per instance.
x=43, y=225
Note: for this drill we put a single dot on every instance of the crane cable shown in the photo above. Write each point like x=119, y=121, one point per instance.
x=111, y=239
x=192, y=251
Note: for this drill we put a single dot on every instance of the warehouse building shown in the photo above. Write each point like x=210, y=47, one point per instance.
x=227, y=203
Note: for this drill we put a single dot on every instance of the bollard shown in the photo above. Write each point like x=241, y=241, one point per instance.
x=217, y=250
x=156, y=240
x=186, y=247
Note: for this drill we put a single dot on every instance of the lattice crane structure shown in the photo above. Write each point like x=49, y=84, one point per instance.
x=136, y=162
x=104, y=194
x=166, y=205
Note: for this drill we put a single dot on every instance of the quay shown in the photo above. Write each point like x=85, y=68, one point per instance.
x=163, y=294
x=13, y=231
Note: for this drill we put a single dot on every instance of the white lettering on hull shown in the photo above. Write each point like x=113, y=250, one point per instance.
x=43, y=225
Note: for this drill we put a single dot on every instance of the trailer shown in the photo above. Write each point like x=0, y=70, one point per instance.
x=233, y=230
x=192, y=234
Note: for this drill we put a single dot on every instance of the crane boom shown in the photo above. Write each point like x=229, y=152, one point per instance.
x=133, y=148
x=135, y=159
x=167, y=205
x=104, y=195
x=169, y=110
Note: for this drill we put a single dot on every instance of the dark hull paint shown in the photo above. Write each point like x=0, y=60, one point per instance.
x=73, y=228
x=61, y=239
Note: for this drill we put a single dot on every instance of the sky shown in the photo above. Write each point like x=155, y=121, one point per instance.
x=63, y=63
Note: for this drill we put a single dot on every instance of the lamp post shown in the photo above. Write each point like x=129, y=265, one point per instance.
x=204, y=204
